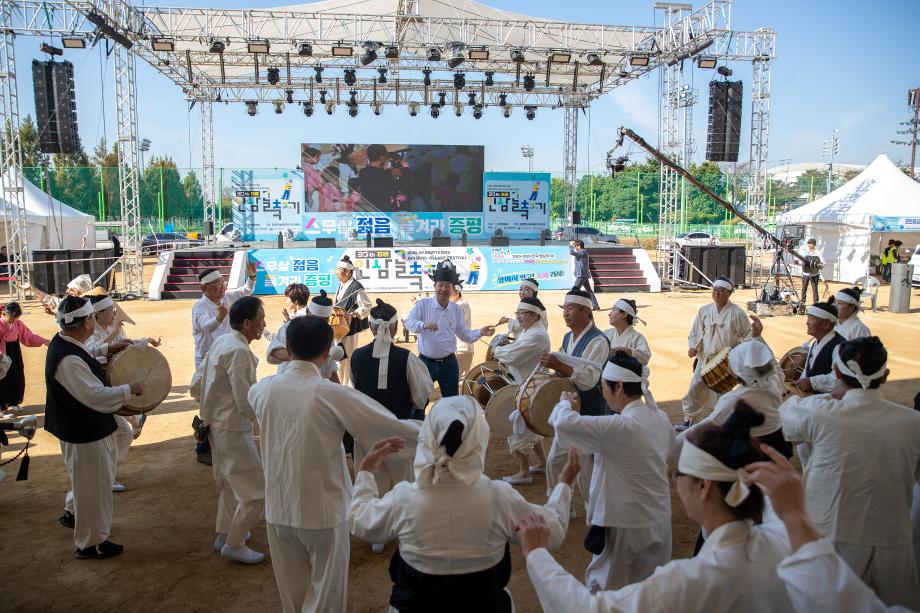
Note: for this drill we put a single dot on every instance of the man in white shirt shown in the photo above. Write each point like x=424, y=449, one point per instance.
x=465, y=351
x=350, y=296
x=718, y=325
x=438, y=322
x=302, y=419
x=79, y=409
x=221, y=386
x=821, y=322
x=865, y=458
x=630, y=503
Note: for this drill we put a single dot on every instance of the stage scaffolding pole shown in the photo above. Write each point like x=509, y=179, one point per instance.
x=207, y=168
x=570, y=160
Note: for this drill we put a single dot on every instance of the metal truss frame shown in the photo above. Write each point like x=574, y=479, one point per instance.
x=756, y=203
x=207, y=170
x=570, y=160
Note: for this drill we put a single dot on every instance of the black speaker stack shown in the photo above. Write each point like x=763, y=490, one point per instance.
x=55, y=107
x=724, y=134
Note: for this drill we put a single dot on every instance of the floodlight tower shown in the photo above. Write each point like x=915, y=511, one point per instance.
x=830, y=150
x=527, y=152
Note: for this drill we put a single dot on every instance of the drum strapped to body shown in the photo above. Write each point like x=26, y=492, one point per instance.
x=483, y=380
x=339, y=322
x=499, y=408
x=538, y=395
x=793, y=365
x=490, y=352
x=717, y=375
x=144, y=365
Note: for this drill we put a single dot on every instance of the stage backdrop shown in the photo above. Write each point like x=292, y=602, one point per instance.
x=406, y=269
x=516, y=202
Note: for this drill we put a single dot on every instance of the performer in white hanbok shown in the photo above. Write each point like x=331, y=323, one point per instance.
x=521, y=358
x=623, y=334
x=453, y=523
x=221, y=386
x=299, y=305
x=865, y=458
x=818, y=375
x=735, y=570
x=78, y=411
x=585, y=341
x=302, y=418
x=849, y=325
x=350, y=296
x=529, y=289
x=717, y=326
x=630, y=506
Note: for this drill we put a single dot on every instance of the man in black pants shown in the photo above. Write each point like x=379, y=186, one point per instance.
x=582, y=272
x=811, y=271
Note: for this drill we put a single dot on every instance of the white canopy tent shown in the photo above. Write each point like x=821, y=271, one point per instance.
x=857, y=219
x=50, y=223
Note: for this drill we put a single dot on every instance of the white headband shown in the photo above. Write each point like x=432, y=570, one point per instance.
x=612, y=372
x=581, y=300
x=821, y=313
x=211, y=277
x=723, y=284
x=84, y=283
x=345, y=264
x=702, y=465
x=320, y=310
x=382, y=342
x=105, y=303
x=844, y=297
x=84, y=311
x=627, y=308
x=530, y=284
x=851, y=368
x=523, y=306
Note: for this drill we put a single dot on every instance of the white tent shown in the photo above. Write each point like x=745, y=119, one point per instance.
x=50, y=223
x=857, y=219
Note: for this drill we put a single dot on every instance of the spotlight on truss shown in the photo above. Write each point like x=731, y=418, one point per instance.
x=382, y=79
x=350, y=77
x=507, y=111
x=477, y=111
x=217, y=46
x=308, y=109
x=706, y=62
x=517, y=56
x=490, y=81
x=289, y=96
x=413, y=109
x=457, y=56
x=434, y=54
x=472, y=100
x=725, y=71
x=531, y=112
x=305, y=50
x=502, y=99
x=319, y=74
x=529, y=82
x=459, y=80
x=330, y=106
x=392, y=53
x=274, y=76
x=479, y=55
x=427, y=79
x=279, y=106
x=252, y=107
x=458, y=109
x=442, y=99
x=435, y=111
x=594, y=59
x=370, y=53
x=322, y=96
x=378, y=107
x=639, y=60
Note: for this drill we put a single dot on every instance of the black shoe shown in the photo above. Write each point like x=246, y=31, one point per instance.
x=204, y=457
x=67, y=520
x=105, y=549
x=683, y=426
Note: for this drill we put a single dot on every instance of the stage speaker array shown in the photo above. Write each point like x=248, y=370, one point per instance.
x=55, y=107
x=724, y=134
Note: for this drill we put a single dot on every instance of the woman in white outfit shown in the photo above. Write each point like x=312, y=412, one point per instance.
x=529, y=289
x=849, y=325
x=623, y=334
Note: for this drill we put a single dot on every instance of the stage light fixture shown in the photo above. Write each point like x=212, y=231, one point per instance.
x=279, y=106
x=308, y=109
x=560, y=58
x=378, y=107
x=435, y=111
x=319, y=74
x=73, y=42
x=706, y=62
x=50, y=50
x=427, y=79
x=342, y=51
x=392, y=53
x=517, y=56
x=163, y=44
x=639, y=60
x=350, y=77
x=330, y=107
x=217, y=46
x=457, y=56
x=725, y=71
x=353, y=101
x=490, y=81
x=624, y=73
x=434, y=54
x=472, y=98
x=479, y=55
x=507, y=111
x=257, y=46
x=370, y=53
x=289, y=96
x=382, y=79
x=353, y=110
x=531, y=112
x=594, y=59
x=442, y=99
x=458, y=109
x=459, y=80
x=305, y=50
x=274, y=76
x=529, y=82
x=322, y=96
x=477, y=111
x=252, y=107
x=413, y=109
x=502, y=99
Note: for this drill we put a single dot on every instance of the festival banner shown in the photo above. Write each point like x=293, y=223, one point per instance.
x=895, y=224
x=407, y=269
x=266, y=202
x=516, y=202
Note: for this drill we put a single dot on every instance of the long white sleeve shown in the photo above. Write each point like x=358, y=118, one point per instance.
x=420, y=383
x=366, y=419
x=370, y=517
x=414, y=321
x=824, y=383
x=558, y=591
x=75, y=375
x=796, y=416
x=244, y=290
x=589, y=434
x=364, y=304
x=278, y=342
x=555, y=512
x=695, y=338
x=586, y=376
x=241, y=371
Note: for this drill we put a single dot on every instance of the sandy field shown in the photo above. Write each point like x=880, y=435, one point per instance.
x=165, y=519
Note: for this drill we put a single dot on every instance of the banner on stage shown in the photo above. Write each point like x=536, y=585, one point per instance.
x=266, y=202
x=406, y=269
x=895, y=224
x=516, y=202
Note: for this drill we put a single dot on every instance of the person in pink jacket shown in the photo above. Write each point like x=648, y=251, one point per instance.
x=13, y=333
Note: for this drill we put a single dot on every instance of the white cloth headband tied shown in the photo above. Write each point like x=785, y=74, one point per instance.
x=821, y=313
x=84, y=311
x=345, y=264
x=702, y=465
x=105, y=303
x=844, y=297
x=580, y=300
x=523, y=306
x=851, y=368
x=612, y=372
x=530, y=284
x=627, y=308
x=382, y=342
x=211, y=277
x=747, y=357
x=83, y=283
x=724, y=285
x=320, y=310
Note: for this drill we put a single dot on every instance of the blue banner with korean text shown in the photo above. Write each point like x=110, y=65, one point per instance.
x=407, y=269
x=515, y=202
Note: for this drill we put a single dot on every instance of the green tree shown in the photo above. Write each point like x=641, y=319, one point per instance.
x=34, y=162
x=194, y=195
x=161, y=184
x=73, y=181
x=106, y=176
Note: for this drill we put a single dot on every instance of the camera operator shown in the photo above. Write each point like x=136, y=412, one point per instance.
x=811, y=271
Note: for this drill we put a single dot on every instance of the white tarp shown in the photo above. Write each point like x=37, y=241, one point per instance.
x=856, y=220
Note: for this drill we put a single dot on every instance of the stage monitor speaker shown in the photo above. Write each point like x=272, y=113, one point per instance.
x=55, y=107
x=383, y=241
x=325, y=243
x=724, y=133
x=576, y=217
x=440, y=241
x=500, y=241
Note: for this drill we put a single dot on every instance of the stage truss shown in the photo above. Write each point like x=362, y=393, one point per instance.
x=524, y=64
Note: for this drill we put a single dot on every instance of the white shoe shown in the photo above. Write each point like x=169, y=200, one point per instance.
x=241, y=554
x=573, y=514
x=118, y=487
x=518, y=480
x=221, y=540
x=377, y=547
x=17, y=410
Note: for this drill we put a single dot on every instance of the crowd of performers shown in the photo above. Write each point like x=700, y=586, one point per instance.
x=840, y=538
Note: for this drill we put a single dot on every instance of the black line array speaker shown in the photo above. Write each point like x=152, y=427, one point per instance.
x=383, y=241
x=714, y=261
x=576, y=217
x=55, y=107
x=724, y=134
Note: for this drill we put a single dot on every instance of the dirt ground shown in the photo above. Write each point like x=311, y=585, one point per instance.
x=165, y=519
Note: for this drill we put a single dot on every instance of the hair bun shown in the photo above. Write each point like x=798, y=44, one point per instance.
x=380, y=302
x=739, y=424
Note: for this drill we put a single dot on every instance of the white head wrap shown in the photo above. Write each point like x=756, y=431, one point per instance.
x=851, y=368
x=382, y=342
x=612, y=372
x=746, y=357
x=320, y=310
x=105, y=303
x=702, y=465
x=84, y=311
x=82, y=283
x=723, y=284
x=523, y=306
x=432, y=463
x=345, y=264
x=845, y=297
x=530, y=284
x=821, y=313
x=211, y=277
x=581, y=300
x=627, y=308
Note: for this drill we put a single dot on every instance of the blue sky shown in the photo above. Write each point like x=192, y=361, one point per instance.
x=845, y=65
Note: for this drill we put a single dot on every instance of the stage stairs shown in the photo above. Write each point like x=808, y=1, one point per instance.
x=622, y=270
x=182, y=273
